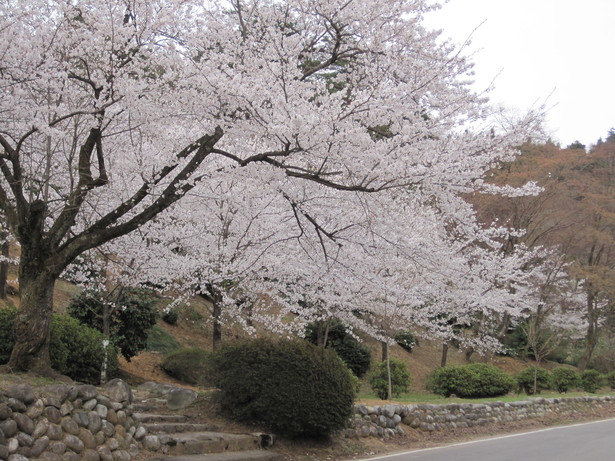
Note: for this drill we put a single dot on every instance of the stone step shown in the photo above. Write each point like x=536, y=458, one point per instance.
x=175, y=427
x=252, y=455
x=196, y=443
x=156, y=418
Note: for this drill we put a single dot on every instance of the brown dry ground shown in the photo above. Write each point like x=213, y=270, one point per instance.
x=193, y=329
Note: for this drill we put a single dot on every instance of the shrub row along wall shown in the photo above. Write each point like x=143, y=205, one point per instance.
x=386, y=421
x=65, y=423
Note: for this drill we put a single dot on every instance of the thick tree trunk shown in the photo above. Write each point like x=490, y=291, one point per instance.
x=591, y=336
x=32, y=325
x=4, y=264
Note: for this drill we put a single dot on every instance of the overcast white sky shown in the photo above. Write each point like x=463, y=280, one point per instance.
x=561, y=51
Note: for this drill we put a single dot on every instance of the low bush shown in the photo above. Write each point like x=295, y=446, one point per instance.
x=170, y=316
x=400, y=379
x=470, y=381
x=291, y=387
x=406, y=340
x=533, y=380
x=610, y=379
x=591, y=381
x=355, y=355
x=564, y=379
x=191, y=365
x=132, y=315
x=76, y=350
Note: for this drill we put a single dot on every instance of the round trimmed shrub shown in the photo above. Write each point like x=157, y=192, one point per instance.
x=400, y=379
x=191, y=365
x=564, y=379
x=534, y=379
x=171, y=316
x=292, y=387
x=474, y=380
x=355, y=355
x=591, y=381
x=406, y=340
x=610, y=379
x=132, y=317
x=76, y=350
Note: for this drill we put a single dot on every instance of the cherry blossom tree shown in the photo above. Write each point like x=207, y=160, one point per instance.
x=113, y=111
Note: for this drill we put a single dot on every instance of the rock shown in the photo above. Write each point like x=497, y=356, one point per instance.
x=181, y=398
x=25, y=440
x=86, y=391
x=12, y=445
x=55, y=432
x=121, y=455
x=112, y=416
x=4, y=452
x=24, y=423
x=39, y=446
x=87, y=438
x=16, y=405
x=104, y=453
x=90, y=455
x=57, y=391
x=74, y=443
x=112, y=444
x=94, y=422
x=17, y=457
x=53, y=414
x=151, y=442
x=118, y=391
x=21, y=392
x=41, y=428
x=70, y=456
x=66, y=408
x=36, y=409
x=8, y=427
x=5, y=412
x=69, y=425
x=57, y=447
x=102, y=411
x=48, y=456
x=140, y=433
x=90, y=404
x=108, y=429
x=81, y=418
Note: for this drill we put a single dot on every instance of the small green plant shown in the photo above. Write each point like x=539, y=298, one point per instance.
x=191, y=365
x=564, y=379
x=170, y=316
x=591, y=381
x=131, y=315
x=533, y=380
x=406, y=340
x=475, y=380
x=610, y=379
x=400, y=379
x=355, y=355
x=291, y=387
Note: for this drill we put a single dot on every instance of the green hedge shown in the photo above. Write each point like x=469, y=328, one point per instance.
x=564, y=379
x=475, y=380
x=292, y=387
x=534, y=380
x=400, y=379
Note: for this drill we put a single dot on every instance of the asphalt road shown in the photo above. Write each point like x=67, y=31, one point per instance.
x=580, y=442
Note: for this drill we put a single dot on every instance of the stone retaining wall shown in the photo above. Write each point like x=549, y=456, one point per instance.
x=388, y=420
x=68, y=423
